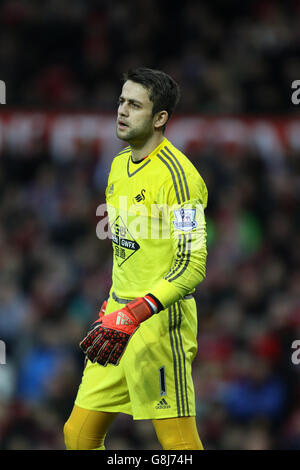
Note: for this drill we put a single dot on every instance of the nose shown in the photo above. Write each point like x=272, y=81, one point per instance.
x=123, y=109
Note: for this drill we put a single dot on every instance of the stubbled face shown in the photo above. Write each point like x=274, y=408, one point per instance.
x=135, y=120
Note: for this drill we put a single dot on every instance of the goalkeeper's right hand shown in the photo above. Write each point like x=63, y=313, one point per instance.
x=101, y=314
x=107, y=340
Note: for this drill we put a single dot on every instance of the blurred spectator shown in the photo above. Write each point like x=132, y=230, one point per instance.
x=55, y=273
x=257, y=393
x=228, y=58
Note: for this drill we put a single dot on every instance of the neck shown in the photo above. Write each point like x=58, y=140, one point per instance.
x=141, y=150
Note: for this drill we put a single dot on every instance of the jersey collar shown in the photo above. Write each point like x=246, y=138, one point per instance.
x=141, y=164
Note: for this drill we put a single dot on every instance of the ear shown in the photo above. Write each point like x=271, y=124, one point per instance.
x=160, y=119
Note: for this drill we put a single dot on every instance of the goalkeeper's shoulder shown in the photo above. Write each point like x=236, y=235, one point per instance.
x=118, y=165
x=123, y=153
x=121, y=156
x=190, y=184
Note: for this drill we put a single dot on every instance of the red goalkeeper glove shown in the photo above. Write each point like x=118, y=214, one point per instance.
x=101, y=314
x=108, y=337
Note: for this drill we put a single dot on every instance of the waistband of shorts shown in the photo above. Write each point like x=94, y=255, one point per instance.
x=121, y=300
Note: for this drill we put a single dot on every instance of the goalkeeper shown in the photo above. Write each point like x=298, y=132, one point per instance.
x=139, y=351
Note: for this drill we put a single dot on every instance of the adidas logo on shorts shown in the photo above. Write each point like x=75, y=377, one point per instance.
x=162, y=405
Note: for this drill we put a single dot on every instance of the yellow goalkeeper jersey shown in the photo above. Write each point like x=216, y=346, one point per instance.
x=156, y=216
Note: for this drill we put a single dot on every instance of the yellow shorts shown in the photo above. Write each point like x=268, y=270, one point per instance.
x=154, y=378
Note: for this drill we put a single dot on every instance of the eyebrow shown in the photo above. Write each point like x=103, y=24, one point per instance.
x=131, y=100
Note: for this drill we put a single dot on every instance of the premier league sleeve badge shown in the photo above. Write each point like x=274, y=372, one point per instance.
x=185, y=219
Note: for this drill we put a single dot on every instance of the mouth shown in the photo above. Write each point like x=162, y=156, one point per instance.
x=122, y=125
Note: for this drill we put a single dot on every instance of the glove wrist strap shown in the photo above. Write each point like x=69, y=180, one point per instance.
x=152, y=303
x=140, y=309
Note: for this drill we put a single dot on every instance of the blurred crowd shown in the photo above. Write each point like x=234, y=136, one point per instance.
x=55, y=272
x=229, y=57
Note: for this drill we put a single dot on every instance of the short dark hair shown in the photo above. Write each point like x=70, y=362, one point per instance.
x=164, y=92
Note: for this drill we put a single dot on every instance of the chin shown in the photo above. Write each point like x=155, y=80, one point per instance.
x=121, y=135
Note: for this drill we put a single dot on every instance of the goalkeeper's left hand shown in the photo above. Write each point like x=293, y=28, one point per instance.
x=105, y=343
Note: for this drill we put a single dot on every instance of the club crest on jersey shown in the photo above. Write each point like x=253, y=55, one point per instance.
x=140, y=197
x=185, y=219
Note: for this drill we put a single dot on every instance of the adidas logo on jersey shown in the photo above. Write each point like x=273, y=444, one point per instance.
x=162, y=405
x=122, y=319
